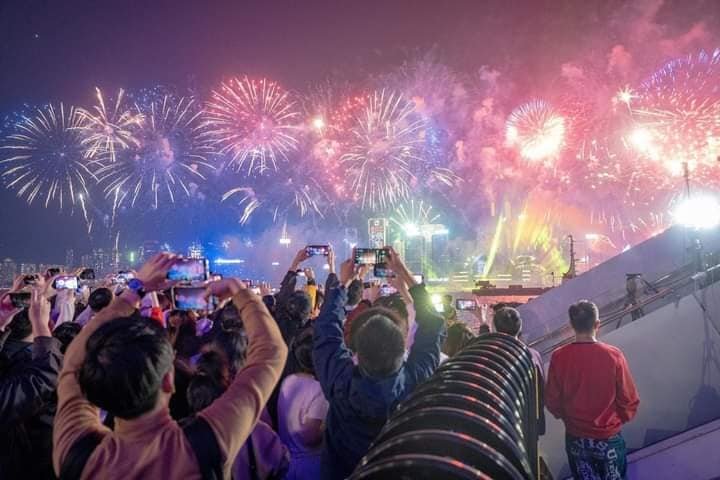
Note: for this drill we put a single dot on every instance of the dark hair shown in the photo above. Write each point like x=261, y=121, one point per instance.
x=354, y=292
x=379, y=342
x=302, y=350
x=202, y=391
x=230, y=317
x=458, y=335
x=66, y=332
x=183, y=333
x=298, y=306
x=233, y=345
x=99, y=299
x=319, y=299
x=357, y=323
x=395, y=303
x=20, y=326
x=583, y=316
x=124, y=366
x=214, y=363
x=507, y=320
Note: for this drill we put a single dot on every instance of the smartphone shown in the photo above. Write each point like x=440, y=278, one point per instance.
x=381, y=270
x=419, y=277
x=192, y=298
x=465, y=305
x=317, y=250
x=387, y=290
x=66, y=282
x=20, y=299
x=87, y=274
x=190, y=270
x=370, y=256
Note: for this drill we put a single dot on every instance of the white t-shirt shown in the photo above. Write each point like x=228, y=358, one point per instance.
x=301, y=399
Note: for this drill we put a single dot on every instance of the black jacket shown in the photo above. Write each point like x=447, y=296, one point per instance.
x=28, y=380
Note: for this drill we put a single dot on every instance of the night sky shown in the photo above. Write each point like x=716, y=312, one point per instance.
x=60, y=50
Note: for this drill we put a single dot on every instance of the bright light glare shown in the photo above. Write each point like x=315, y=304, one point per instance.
x=411, y=229
x=436, y=299
x=228, y=261
x=641, y=139
x=318, y=123
x=285, y=241
x=701, y=212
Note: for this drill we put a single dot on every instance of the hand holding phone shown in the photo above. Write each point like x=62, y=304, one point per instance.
x=20, y=299
x=317, y=250
x=193, y=298
x=381, y=270
x=370, y=256
x=65, y=282
x=189, y=270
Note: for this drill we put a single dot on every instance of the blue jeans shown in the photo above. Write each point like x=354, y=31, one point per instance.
x=592, y=459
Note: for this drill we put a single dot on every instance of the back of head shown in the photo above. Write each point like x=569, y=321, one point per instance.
x=447, y=299
x=202, y=391
x=124, y=366
x=214, y=364
x=379, y=342
x=507, y=320
x=20, y=326
x=354, y=292
x=299, y=307
x=458, y=335
x=233, y=345
x=583, y=316
x=99, y=299
x=65, y=333
x=395, y=303
x=302, y=349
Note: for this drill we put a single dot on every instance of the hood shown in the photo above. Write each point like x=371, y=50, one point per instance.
x=376, y=398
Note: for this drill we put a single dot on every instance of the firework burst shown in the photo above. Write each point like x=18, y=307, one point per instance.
x=676, y=113
x=169, y=159
x=411, y=215
x=254, y=123
x=536, y=130
x=292, y=191
x=43, y=157
x=386, y=146
x=109, y=128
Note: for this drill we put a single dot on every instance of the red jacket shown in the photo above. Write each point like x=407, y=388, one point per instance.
x=590, y=388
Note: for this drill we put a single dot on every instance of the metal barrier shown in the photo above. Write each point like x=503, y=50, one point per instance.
x=476, y=417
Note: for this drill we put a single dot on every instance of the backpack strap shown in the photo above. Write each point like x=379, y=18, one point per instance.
x=74, y=462
x=204, y=443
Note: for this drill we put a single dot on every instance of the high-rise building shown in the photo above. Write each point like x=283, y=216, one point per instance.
x=70, y=259
x=102, y=261
x=86, y=261
x=28, y=268
x=8, y=270
x=149, y=249
x=196, y=250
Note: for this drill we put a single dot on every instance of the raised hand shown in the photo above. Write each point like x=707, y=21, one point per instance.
x=153, y=274
x=347, y=272
x=395, y=263
x=331, y=259
x=225, y=288
x=300, y=257
x=39, y=311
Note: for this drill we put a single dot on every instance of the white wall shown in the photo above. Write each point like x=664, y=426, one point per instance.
x=653, y=258
x=674, y=355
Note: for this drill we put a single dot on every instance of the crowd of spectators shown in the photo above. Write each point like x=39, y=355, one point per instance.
x=294, y=383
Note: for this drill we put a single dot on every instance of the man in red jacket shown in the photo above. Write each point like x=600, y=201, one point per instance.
x=590, y=388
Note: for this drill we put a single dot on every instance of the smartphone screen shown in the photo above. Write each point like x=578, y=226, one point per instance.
x=370, y=256
x=66, y=282
x=381, y=270
x=465, y=305
x=317, y=250
x=192, y=298
x=189, y=270
x=419, y=277
x=387, y=290
x=20, y=299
